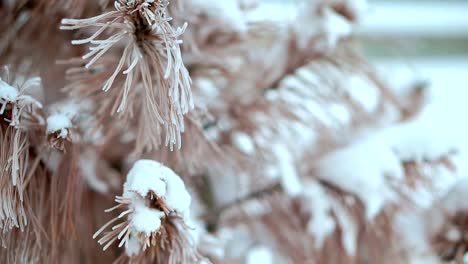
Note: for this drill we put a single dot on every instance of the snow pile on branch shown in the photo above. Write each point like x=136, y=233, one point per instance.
x=372, y=166
x=16, y=97
x=362, y=169
x=148, y=176
x=61, y=116
x=60, y=124
x=8, y=93
x=155, y=198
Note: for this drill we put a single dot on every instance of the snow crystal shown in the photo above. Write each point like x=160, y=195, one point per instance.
x=259, y=254
x=243, y=142
x=146, y=220
x=59, y=123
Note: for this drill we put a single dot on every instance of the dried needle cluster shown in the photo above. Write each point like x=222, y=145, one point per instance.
x=150, y=62
x=17, y=112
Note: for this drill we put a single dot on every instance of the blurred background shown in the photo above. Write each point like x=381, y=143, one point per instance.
x=428, y=36
x=412, y=39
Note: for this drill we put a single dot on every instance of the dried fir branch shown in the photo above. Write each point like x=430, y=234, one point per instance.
x=17, y=111
x=153, y=66
x=153, y=225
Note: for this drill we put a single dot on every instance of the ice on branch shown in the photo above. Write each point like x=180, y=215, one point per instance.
x=156, y=206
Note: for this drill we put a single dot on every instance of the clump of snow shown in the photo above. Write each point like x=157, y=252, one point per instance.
x=259, y=254
x=8, y=93
x=150, y=175
x=420, y=140
x=132, y=247
x=59, y=123
x=146, y=220
x=145, y=177
x=365, y=167
x=177, y=197
x=362, y=169
x=243, y=142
